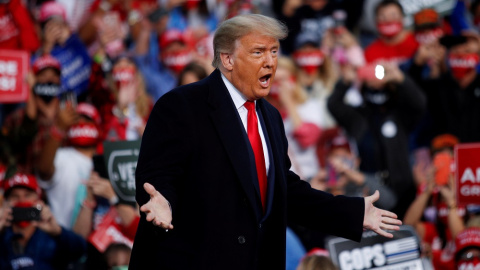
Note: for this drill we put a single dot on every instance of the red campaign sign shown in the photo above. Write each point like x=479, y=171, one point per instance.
x=14, y=65
x=108, y=232
x=467, y=173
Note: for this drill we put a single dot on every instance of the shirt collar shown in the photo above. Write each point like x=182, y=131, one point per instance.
x=238, y=98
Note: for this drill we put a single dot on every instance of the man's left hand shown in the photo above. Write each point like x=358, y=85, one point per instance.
x=379, y=220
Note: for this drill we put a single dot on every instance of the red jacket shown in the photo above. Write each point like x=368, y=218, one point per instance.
x=17, y=30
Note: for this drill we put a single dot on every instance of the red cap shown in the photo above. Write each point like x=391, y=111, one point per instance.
x=170, y=36
x=52, y=9
x=21, y=180
x=444, y=141
x=468, y=238
x=46, y=61
x=90, y=111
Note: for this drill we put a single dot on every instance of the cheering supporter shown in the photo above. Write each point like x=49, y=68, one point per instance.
x=37, y=242
x=17, y=29
x=442, y=218
x=343, y=174
x=174, y=55
x=315, y=74
x=102, y=212
x=61, y=43
x=302, y=118
x=125, y=119
x=62, y=169
x=452, y=85
x=27, y=128
x=381, y=124
x=395, y=44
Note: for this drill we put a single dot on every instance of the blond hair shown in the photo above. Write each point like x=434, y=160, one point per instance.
x=233, y=29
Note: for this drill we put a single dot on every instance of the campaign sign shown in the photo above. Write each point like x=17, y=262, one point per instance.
x=121, y=161
x=13, y=71
x=108, y=232
x=467, y=173
x=402, y=252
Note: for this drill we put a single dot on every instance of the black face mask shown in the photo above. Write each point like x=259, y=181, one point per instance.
x=46, y=91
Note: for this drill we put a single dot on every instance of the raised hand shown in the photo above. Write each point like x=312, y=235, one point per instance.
x=379, y=220
x=47, y=222
x=157, y=209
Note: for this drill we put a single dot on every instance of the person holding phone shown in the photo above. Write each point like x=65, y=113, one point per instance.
x=381, y=124
x=34, y=241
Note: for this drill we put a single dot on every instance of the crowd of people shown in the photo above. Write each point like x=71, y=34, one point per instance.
x=368, y=102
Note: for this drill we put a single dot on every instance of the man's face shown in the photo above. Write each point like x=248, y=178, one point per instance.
x=22, y=195
x=254, y=63
x=389, y=13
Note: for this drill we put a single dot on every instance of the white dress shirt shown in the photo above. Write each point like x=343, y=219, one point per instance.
x=239, y=100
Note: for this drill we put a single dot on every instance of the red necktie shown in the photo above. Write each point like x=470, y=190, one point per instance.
x=256, y=142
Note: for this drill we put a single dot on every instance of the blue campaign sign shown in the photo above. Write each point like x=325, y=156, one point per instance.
x=76, y=64
x=402, y=252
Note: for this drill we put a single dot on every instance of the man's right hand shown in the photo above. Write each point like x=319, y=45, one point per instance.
x=157, y=209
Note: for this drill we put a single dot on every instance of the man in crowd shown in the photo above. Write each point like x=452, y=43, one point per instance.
x=395, y=44
x=33, y=244
x=214, y=164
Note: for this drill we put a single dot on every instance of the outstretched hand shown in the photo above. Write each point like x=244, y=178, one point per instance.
x=379, y=220
x=157, y=208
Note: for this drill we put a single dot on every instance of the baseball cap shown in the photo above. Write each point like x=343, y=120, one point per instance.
x=21, y=180
x=52, y=9
x=307, y=37
x=170, y=36
x=444, y=141
x=470, y=237
x=90, y=111
x=426, y=19
x=46, y=61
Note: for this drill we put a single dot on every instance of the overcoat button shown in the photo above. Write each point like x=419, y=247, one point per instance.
x=241, y=239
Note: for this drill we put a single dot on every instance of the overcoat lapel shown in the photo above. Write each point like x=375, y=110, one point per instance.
x=230, y=130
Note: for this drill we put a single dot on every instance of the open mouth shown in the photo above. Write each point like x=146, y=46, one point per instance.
x=265, y=80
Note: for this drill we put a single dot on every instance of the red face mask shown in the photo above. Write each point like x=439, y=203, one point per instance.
x=176, y=61
x=123, y=76
x=24, y=223
x=427, y=37
x=191, y=4
x=309, y=61
x=472, y=264
x=83, y=134
x=389, y=29
x=462, y=64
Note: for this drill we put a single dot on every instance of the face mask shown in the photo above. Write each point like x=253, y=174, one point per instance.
x=309, y=61
x=376, y=97
x=428, y=37
x=47, y=91
x=473, y=264
x=176, y=61
x=83, y=134
x=191, y=4
x=462, y=64
x=120, y=267
x=24, y=223
x=123, y=76
x=389, y=29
